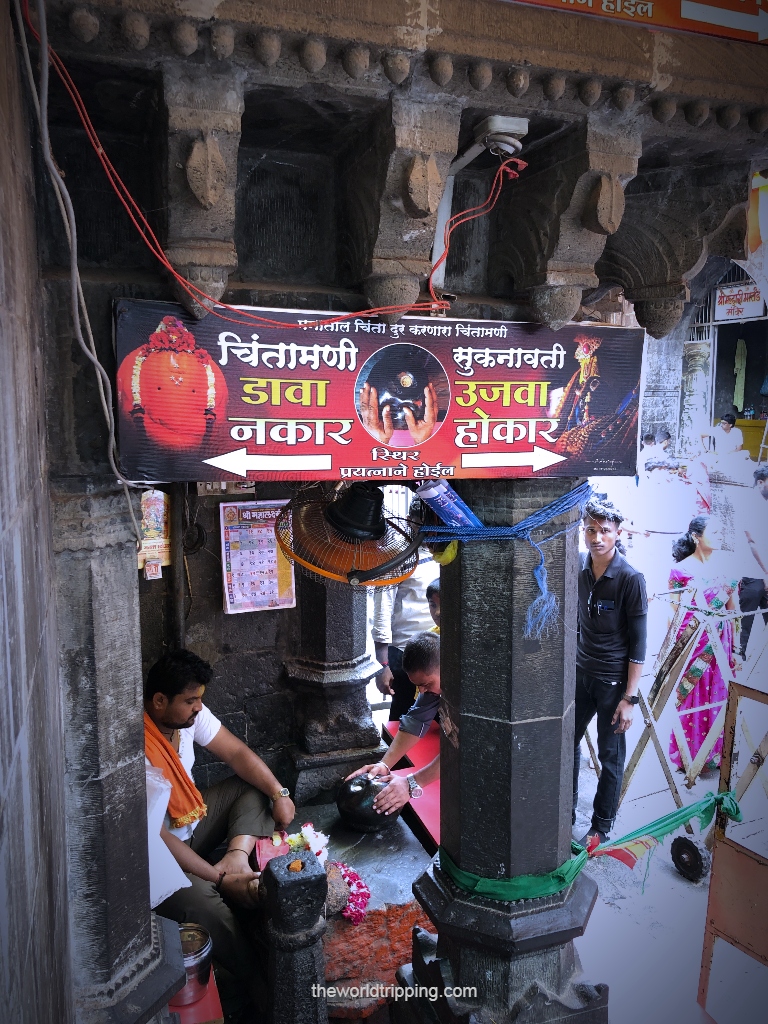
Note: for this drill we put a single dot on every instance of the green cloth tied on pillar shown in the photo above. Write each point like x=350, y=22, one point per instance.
x=531, y=887
x=522, y=887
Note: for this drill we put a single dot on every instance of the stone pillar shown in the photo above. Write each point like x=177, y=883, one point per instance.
x=204, y=110
x=295, y=900
x=336, y=731
x=695, y=397
x=125, y=961
x=394, y=181
x=506, y=779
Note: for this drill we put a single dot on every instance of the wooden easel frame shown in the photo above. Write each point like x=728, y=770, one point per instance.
x=737, y=907
x=674, y=657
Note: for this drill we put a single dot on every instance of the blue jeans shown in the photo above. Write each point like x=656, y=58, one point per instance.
x=594, y=697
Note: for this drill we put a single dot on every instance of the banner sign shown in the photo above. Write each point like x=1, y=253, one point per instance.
x=738, y=302
x=361, y=399
x=730, y=19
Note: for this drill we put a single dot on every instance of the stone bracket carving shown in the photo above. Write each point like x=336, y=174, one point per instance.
x=604, y=207
x=423, y=186
x=204, y=111
x=551, y=225
x=395, y=180
x=206, y=171
x=674, y=219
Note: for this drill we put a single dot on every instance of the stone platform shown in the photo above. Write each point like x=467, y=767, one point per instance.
x=389, y=862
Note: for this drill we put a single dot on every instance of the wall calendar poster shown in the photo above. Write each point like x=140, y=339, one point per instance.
x=257, y=575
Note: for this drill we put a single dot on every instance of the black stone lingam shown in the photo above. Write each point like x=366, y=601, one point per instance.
x=355, y=804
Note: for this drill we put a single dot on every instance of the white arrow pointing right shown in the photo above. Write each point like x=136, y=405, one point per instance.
x=537, y=459
x=756, y=23
x=239, y=462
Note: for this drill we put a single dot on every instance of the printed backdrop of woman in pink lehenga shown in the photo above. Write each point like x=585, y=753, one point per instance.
x=703, y=579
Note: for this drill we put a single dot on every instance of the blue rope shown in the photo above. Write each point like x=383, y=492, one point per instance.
x=544, y=609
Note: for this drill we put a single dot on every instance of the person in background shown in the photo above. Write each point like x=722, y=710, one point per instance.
x=433, y=602
x=655, y=450
x=664, y=440
x=666, y=505
x=752, y=550
x=610, y=651
x=421, y=660
x=398, y=614
x=648, y=451
x=702, y=572
x=728, y=437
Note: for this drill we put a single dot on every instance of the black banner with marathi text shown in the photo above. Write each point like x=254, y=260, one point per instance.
x=360, y=399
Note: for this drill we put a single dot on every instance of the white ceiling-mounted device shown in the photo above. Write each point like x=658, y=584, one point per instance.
x=500, y=136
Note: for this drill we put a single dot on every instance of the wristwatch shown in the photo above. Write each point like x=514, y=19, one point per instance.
x=634, y=699
x=414, y=789
x=280, y=793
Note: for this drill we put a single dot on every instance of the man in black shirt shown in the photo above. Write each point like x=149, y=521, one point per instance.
x=611, y=649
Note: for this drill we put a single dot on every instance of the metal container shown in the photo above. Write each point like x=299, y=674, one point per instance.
x=196, y=946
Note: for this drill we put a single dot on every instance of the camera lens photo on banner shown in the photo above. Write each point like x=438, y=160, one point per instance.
x=402, y=395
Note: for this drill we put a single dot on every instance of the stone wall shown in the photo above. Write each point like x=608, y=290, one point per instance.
x=34, y=936
x=676, y=389
x=247, y=651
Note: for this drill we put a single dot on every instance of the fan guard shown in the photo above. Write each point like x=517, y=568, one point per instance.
x=308, y=539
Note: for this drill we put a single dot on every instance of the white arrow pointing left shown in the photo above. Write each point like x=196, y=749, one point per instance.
x=756, y=23
x=239, y=462
x=537, y=459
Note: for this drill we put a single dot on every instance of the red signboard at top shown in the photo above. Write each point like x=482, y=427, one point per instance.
x=360, y=399
x=731, y=19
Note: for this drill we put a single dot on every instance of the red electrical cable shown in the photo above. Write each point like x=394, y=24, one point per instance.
x=243, y=318
x=505, y=170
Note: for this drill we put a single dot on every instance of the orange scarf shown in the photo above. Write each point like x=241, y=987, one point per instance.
x=186, y=802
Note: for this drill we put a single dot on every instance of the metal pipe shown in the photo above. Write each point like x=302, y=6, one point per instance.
x=497, y=134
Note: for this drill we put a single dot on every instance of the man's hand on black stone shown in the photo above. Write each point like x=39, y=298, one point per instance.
x=377, y=770
x=396, y=795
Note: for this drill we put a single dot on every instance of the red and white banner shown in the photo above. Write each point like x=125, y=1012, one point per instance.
x=731, y=19
x=739, y=302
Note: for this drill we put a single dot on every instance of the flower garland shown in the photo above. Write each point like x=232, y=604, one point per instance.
x=171, y=335
x=359, y=894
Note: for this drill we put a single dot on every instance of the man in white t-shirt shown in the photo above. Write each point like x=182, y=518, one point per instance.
x=236, y=810
x=728, y=437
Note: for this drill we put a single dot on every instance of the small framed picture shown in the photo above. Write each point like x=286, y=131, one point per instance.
x=153, y=569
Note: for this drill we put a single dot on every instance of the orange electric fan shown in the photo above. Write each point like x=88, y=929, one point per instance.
x=345, y=536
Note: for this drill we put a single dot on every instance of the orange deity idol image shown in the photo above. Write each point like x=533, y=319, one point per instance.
x=172, y=391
